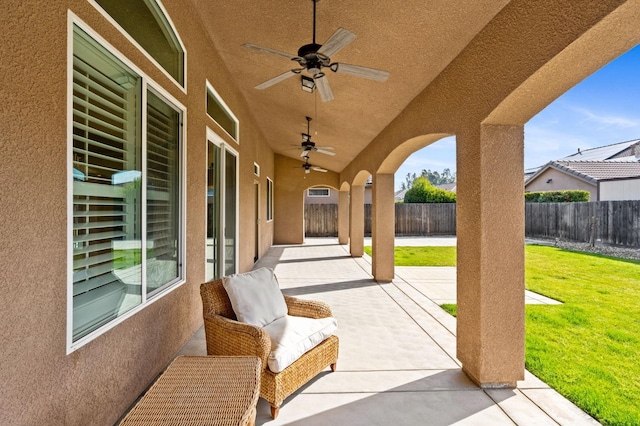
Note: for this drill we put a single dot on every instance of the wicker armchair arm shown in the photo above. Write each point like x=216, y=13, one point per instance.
x=233, y=338
x=307, y=308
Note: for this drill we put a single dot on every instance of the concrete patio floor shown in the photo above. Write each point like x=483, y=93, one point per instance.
x=397, y=363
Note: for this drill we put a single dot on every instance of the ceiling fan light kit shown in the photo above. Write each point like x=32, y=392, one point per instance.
x=313, y=57
x=308, y=85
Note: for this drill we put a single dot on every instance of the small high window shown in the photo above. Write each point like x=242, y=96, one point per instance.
x=146, y=23
x=318, y=192
x=220, y=113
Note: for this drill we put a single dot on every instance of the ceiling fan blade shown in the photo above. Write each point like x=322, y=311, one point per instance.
x=323, y=87
x=322, y=151
x=268, y=50
x=336, y=42
x=358, y=71
x=319, y=169
x=304, y=153
x=276, y=79
x=325, y=147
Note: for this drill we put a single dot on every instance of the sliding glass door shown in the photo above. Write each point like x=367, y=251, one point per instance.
x=222, y=208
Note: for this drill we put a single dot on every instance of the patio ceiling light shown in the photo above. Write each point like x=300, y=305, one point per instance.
x=308, y=84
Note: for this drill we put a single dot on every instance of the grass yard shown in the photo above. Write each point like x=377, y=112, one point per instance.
x=422, y=256
x=588, y=349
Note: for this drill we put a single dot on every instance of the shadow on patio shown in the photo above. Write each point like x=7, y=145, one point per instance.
x=397, y=361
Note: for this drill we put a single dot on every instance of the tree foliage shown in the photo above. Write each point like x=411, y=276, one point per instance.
x=423, y=191
x=435, y=177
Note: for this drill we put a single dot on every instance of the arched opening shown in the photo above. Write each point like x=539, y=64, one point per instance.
x=321, y=211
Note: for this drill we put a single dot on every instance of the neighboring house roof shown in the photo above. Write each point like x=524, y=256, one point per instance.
x=616, y=161
x=594, y=171
x=448, y=186
x=603, y=152
x=399, y=195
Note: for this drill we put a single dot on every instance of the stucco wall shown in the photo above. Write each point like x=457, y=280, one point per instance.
x=39, y=383
x=618, y=190
x=560, y=181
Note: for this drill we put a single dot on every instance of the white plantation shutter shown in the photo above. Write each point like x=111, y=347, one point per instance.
x=162, y=191
x=106, y=142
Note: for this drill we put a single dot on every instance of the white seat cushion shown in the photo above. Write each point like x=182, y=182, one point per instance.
x=292, y=336
x=255, y=297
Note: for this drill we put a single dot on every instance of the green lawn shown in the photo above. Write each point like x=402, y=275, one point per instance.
x=588, y=349
x=422, y=256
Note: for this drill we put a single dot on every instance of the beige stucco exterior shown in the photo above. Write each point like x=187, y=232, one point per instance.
x=514, y=59
x=560, y=181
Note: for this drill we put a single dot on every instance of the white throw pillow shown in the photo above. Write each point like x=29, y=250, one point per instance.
x=292, y=336
x=255, y=297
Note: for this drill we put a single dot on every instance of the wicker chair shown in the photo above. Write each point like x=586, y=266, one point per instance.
x=226, y=336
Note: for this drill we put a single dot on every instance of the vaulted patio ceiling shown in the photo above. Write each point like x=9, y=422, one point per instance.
x=413, y=40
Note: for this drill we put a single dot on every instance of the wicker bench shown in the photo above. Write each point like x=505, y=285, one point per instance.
x=199, y=390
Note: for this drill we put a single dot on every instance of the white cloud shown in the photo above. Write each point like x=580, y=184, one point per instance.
x=608, y=120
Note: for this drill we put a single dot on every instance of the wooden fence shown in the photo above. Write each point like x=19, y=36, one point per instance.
x=413, y=219
x=321, y=220
x=612, y=222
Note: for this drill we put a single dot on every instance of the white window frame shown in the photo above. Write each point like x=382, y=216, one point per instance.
x=147, y=85
x=144, y=52
x=310, y=195
x=223, y=104
x=213, y=137
x=269, y=200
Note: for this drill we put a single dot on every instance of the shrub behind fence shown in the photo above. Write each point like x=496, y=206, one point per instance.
x=612, y=222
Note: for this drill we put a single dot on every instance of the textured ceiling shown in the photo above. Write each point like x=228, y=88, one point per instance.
x=414, y=40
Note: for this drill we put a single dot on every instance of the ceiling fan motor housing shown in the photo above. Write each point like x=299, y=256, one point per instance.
x=309, y=58
x=306, y=142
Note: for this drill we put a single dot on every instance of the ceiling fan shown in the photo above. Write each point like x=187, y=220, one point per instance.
x=308, y=167
x=314, y=57
x=308, y=146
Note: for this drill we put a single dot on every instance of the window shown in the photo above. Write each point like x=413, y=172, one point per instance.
x=146, y=22
x=126, y=192
x=220, y=113
x=256, y=169
x=318, y=192
x=269, y=200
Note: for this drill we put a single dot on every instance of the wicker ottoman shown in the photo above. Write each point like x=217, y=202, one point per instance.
x=199, y=390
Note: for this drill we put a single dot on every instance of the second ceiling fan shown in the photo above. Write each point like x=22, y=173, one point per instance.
x=308, y=146
x=315, y=57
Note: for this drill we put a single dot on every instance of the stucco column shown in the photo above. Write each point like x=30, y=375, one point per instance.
x=490, y=260
x=343, y=217
x=356, y=221
x=383, y=227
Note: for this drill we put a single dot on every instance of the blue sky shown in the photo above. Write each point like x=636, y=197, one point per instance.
x=601, y=110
